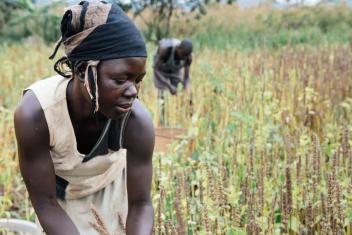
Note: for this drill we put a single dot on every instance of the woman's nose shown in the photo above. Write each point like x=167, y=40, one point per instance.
x=131, y=91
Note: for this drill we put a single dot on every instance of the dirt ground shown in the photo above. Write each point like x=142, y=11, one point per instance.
x=165, y=136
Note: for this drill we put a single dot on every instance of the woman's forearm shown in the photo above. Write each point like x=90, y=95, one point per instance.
x=186, y=76
x=55, y=221
x=162, y=79
x=140, y=219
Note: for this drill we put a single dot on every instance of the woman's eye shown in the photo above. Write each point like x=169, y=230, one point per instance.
x=120, y=82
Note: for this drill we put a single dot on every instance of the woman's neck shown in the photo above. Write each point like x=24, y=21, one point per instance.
x=79, y=106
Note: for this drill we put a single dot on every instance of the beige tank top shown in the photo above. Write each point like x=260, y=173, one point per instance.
x=78, y=175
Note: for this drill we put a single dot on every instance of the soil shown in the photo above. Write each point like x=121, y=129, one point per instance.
x=165, y=136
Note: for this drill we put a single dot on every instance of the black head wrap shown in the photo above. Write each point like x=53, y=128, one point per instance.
x=94, y=31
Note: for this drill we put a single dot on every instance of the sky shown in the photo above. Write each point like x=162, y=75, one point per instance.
x=249, y=3
x=306, y=2
x=243, y=3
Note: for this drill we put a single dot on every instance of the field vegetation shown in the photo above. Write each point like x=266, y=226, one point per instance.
x=268, y=146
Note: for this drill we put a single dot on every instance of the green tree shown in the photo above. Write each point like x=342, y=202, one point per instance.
x=158, y=26
x=9, y=7
x=27, y=19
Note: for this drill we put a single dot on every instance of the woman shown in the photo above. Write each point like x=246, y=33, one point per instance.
x=171, y=56
x=85, y=142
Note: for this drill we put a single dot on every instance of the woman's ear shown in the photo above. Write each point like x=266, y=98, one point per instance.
x=79, y=70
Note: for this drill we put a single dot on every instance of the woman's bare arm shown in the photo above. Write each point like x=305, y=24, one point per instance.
x=37, y=168
x=139, y=141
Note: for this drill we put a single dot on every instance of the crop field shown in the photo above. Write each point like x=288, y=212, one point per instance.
x=266, y=147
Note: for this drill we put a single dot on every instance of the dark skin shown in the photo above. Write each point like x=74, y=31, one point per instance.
x=118, y=82
x=180, y=54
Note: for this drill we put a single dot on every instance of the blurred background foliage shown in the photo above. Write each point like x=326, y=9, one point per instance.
x=206, y=22
x=20, y=19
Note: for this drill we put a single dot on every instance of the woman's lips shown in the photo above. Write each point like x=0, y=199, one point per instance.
x=124, y=107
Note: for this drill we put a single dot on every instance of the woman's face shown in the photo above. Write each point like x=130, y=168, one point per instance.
x=118, y=84
x=182, y=54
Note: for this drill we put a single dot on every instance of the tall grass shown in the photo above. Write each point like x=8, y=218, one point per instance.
x=268, y=148
x=228, y=26
x=267, y=151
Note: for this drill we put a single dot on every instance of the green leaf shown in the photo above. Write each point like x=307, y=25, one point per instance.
x=294, y=224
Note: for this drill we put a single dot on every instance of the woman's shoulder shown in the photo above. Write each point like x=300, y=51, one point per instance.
x=139, y=110
x=39, y=105
x=140, y=117
x=29, y=106
x=140, y=128
x=29, y=116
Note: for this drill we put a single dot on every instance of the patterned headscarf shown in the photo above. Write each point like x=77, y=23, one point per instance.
x=95, y=31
